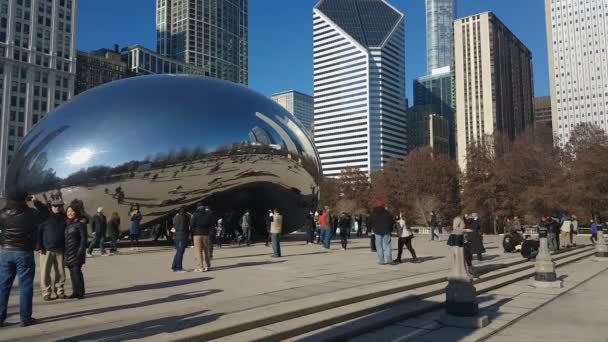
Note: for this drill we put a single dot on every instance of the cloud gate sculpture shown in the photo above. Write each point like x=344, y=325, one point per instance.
x=162, y=142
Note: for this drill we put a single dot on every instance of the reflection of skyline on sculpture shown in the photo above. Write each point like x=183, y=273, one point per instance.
x=161, y=142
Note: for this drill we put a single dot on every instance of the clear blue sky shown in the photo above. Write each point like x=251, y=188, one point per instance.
x=280, y=35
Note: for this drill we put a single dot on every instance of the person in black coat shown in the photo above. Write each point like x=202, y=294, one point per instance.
x=100, y=226
x=381, y=221
x=50, y=247
x=75, y=249
x=344, y=223
x=17, y=240
x=181, y=224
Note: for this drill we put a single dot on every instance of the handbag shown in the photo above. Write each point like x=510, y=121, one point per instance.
x=338, y=230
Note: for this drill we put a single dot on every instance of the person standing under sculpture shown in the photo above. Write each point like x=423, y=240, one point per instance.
x=19, y=227
x=381, y=222
x=202, y=227
x=246, y=226
x=181, y=225
x=135, y=229
x=50, y=247
x=405, y=239
x=310, y=228
x=114, y=231
x=75, y=249
x=100, y=225
x=276, y=229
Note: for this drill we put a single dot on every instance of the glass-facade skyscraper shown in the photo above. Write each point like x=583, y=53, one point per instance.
x=440, y=15
x=359, y=84
x=210, y=34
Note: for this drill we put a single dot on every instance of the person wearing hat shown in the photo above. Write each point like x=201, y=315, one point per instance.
x=50, y=247
x=100, y=225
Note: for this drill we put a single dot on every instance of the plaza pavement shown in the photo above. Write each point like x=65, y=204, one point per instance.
x=136, y=296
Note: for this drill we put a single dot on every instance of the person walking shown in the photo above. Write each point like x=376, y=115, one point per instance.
x=202, y=227
x=553, y=229
x=75, y=249
x=135, y=229
x=309, y=225
x=246, y=226
x=594, y=230
x=565, y=230
x=181, y=238
x=325, y=225
x=318, y=214
x=268, y=223
x=50, y=247
x=114, y=231
x=405, y=239
x=434, y=226
x=100, y=225
x=574, y=231
x=19, y=223
x=359, y=225
x=276, y=229
x=381, y=221
x=344, y=225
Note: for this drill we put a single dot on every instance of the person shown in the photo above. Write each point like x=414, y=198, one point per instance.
x=318, y=214
x=565, y=229
x=359, y=225
x=268, y=223
x=405, y=238
x=529, y=248
x=325, y=228
x=135, y=229
x=457, y=238
x=516, y=225
x=50, y=247
x=114, y=231
x=75, y=249
x=276, y=228
x=594, y=230
x=574, y=231
x=100, y=225
x=181, y=238
x=474, y=238
x=19, y=223
x=434, y=226
x=202, y=226
x=163, y=231
x=344, y=224
x=246, y=226
x=381, y=221
x=310, y=228
x=552, y=232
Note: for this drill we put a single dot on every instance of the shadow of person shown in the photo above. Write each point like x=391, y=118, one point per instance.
x=247, y=264
x=172, y=298
x=145, y=287
x=148, y=328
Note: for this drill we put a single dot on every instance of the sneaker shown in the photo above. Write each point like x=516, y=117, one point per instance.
x=132, y=249
x=61, y=296
x=396, y=261
x=46, y=298
x=29, y=322
x=198, y=270
x=89, y=255
x=343, y=249
x=180, y=271
x=206, y=269
x=105, y=254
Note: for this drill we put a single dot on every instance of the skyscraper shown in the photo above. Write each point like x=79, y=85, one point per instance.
x=298, y=104
x=440, y=15
x=98, y=67
x=577, y=40
x=37, y=66
x=359, y=84
x=211, y=34
x=493, y=80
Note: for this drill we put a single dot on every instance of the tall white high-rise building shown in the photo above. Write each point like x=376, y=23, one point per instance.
x=210, y=34
x=577, y=40
x=440, y=15
x=37, y=66
x=298, y=104
x=359, y=84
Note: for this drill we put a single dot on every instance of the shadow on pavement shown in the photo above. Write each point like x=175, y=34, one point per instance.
x=246, y=264
x=145, y=287
x=147, y=329
x=170, y=299
x=266, y=254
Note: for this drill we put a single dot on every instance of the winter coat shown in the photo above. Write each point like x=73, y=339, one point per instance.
x=574, y=226
x=100, y=225
x=325, y=220
x=594, y=228
x=516, y=226
x=51, y=234
x=276, y=227
x=20, y=226
x=202, y=223
x=135, y=221
x=344, y=223
x=181, y=223
x=403, y=230
x=75, y=244
x=566, y=226
x=473, y=239
x=458, y=223
x=476, y=226
x=246, y=221
x=552, y=227
x=114, y=228
x=381, y=221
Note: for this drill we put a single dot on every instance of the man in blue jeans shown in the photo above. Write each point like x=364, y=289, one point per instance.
x=19, y=225
x=381, y=221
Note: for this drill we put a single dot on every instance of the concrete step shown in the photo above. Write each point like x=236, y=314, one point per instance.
x=407, y=309
x=284, y=320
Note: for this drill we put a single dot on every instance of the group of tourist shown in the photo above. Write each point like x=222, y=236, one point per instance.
x=561, y=230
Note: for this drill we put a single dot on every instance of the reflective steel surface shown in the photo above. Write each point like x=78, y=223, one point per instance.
x=162, y=142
